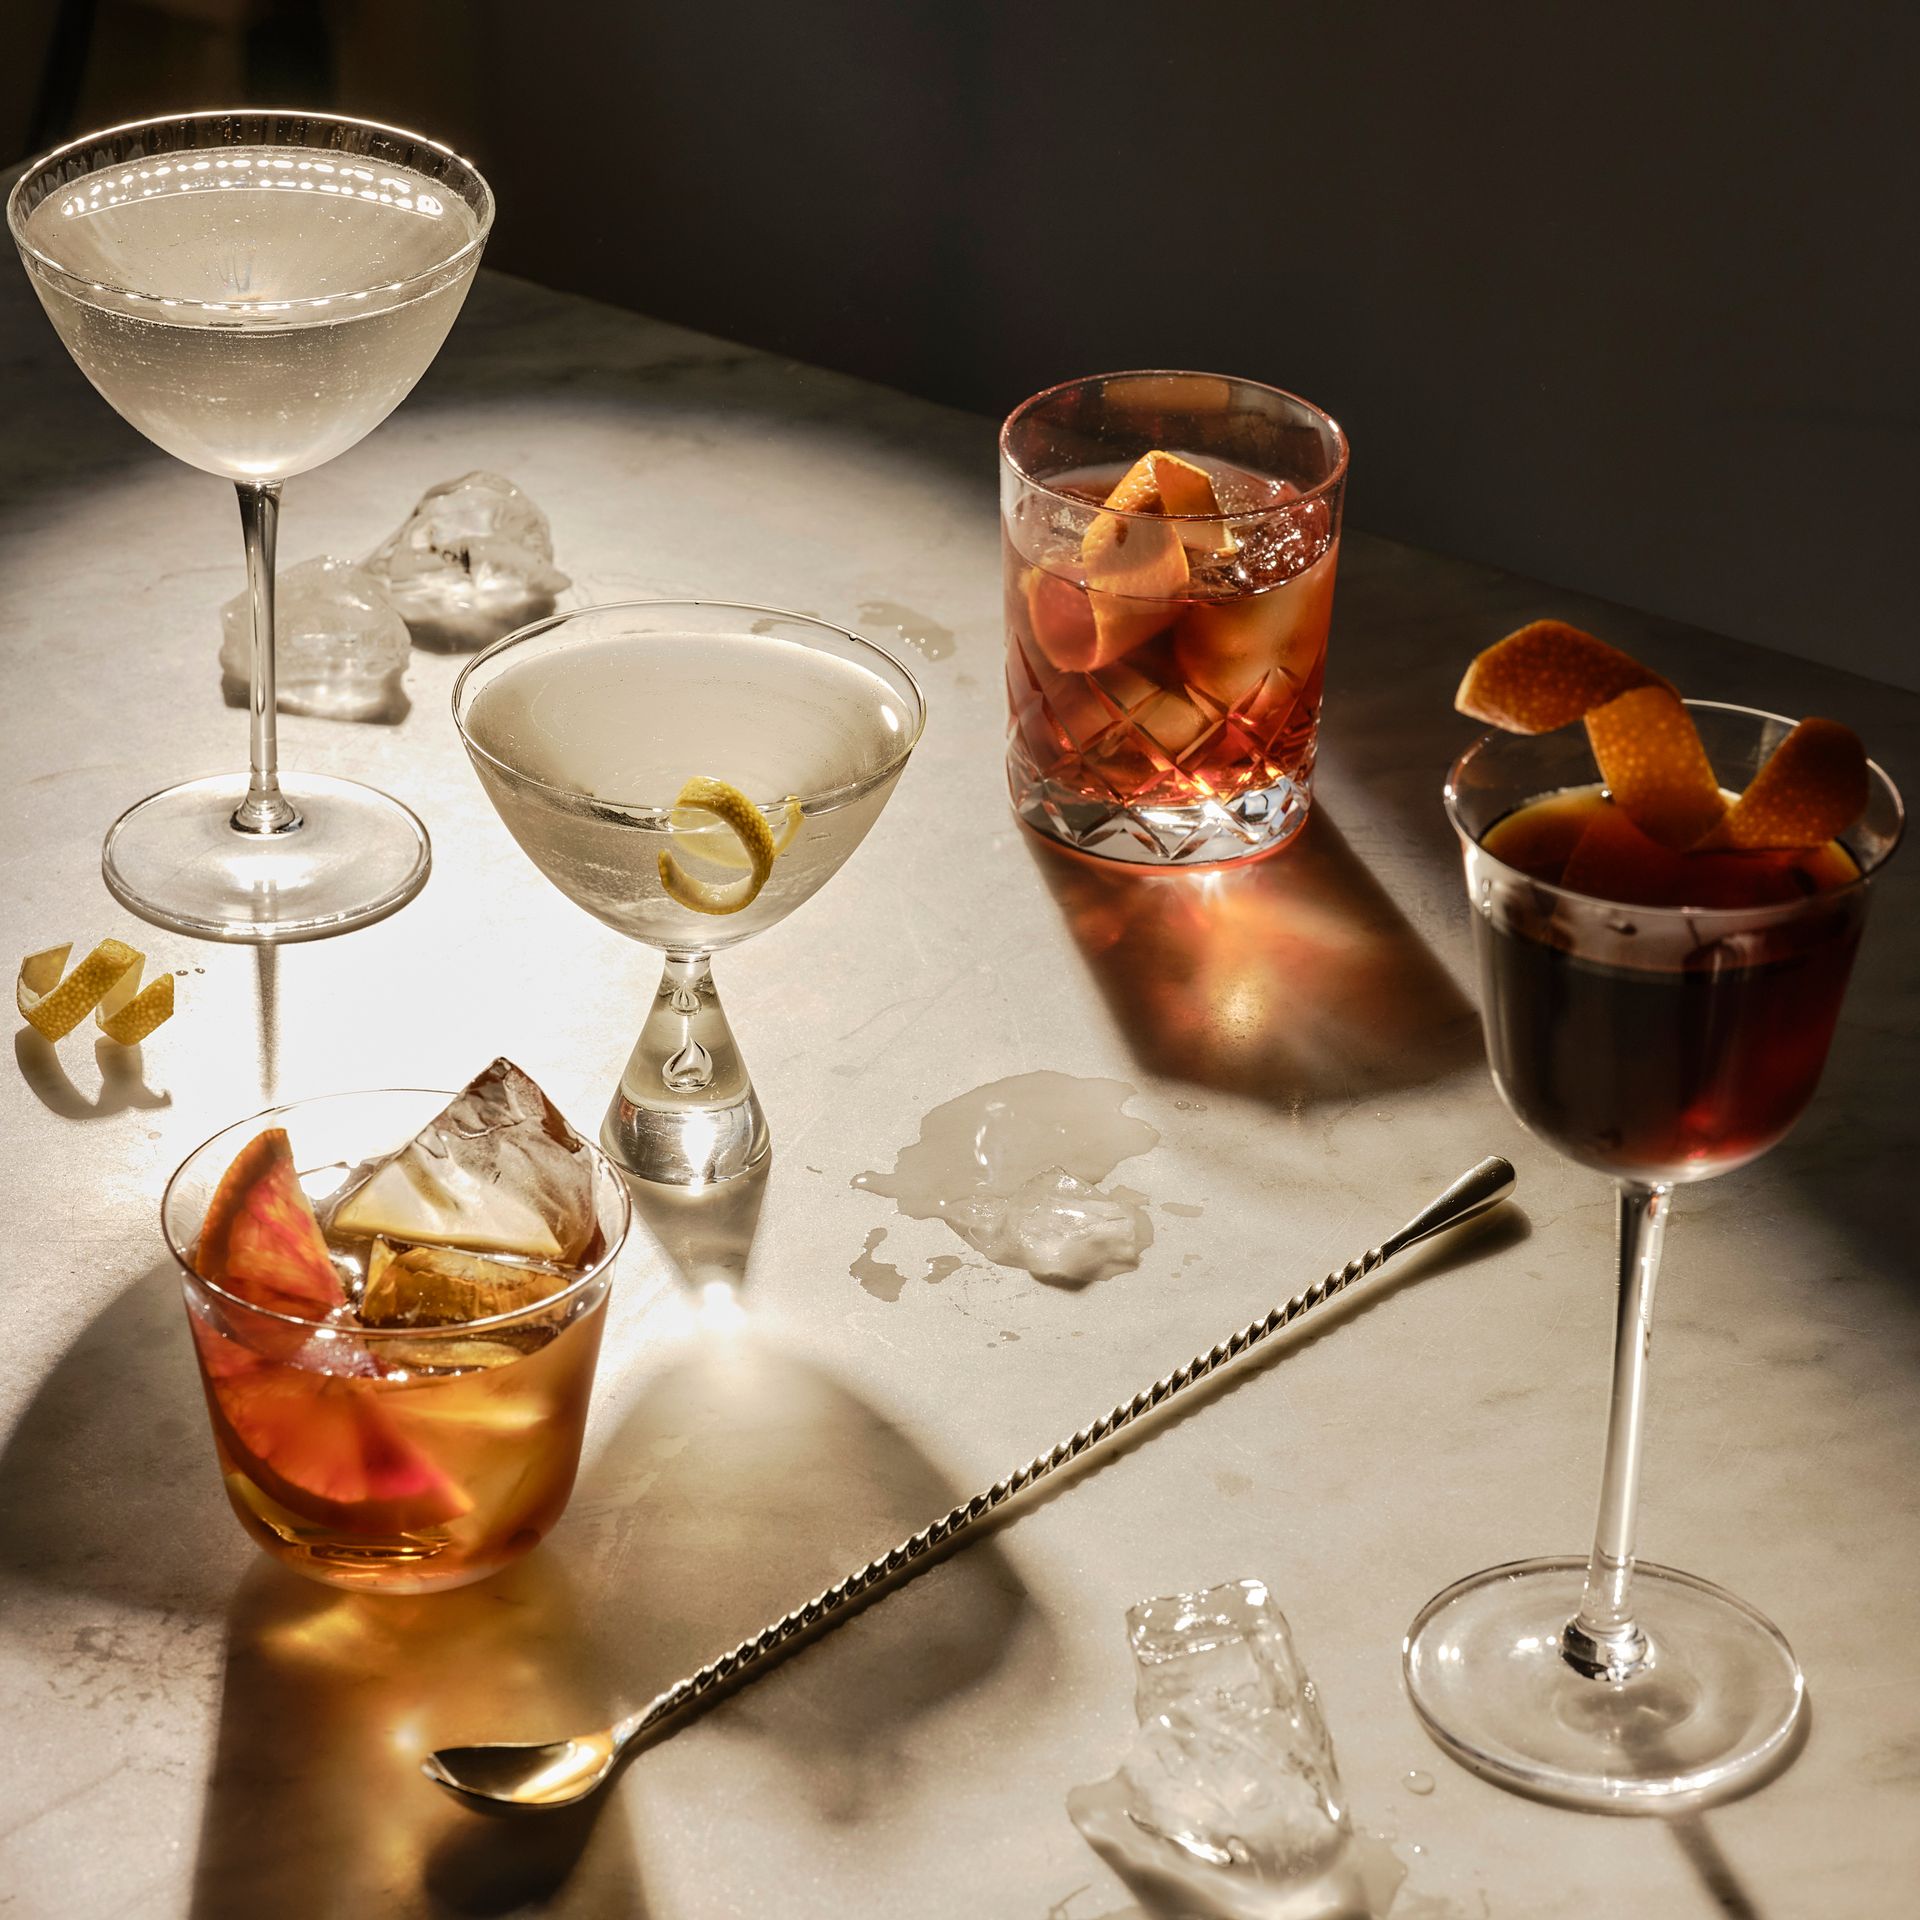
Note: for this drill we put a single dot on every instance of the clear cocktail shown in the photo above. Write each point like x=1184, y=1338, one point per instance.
x=690, y=773
x=255, y=291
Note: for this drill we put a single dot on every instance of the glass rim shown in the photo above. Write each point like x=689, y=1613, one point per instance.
x=650, y=812
x=38, y=165
x=1771, y=914
x=1319, y=490
x=462, y=1329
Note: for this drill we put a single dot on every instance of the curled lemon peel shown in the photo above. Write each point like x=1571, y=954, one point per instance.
x=106, y=984
x=740, y=838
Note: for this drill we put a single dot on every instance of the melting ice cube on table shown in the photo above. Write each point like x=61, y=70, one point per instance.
x=1055, y=1226
x=473, y=561
x=1228, y=1801
x=339, y=646
x=499, y=1171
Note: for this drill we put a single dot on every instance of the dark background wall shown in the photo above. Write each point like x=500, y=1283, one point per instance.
x=1620, y=297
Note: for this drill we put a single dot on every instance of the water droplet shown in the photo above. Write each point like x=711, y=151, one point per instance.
x=1415, y=1780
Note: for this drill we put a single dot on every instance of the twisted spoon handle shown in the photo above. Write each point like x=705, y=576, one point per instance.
x=1483, y=1187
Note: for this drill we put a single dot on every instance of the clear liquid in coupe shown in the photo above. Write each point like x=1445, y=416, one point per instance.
x=258, y=310
x=612, y=729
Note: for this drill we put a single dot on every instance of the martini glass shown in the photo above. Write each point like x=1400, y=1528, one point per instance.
x=1660, y=1046
x=255, y=291
x=585, y=728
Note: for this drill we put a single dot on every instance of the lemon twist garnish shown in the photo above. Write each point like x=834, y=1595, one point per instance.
x=739, y=837
x=106, y=983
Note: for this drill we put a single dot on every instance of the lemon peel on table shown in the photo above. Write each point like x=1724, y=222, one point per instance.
x=106, y=984
x=724, y=827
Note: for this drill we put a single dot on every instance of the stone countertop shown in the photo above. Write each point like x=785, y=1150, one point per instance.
x=194, y=1731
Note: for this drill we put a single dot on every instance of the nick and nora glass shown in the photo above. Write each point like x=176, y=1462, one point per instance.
x=1165, y=656
x=1659, y=1045
x=255, y=291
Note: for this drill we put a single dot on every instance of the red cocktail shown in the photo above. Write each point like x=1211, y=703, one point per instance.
x=1170, y=543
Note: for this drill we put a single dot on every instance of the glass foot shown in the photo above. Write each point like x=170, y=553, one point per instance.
x=1711, y=1714
x=178, y=860
x=678, y=1146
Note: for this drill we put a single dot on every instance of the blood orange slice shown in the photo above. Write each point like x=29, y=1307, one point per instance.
x=320, y=1443
x=260, y=1240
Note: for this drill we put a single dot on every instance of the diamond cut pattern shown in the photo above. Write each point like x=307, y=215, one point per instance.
x=1133, y=772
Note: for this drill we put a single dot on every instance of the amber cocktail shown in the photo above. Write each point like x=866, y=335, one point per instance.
x=397, y=1335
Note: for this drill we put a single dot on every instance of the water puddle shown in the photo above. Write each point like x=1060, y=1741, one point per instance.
x=1014, y=1168
x=928, y=638
x=881, y=1278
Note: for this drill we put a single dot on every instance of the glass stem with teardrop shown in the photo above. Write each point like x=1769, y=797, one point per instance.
x=685, y=1099
x=265, y=809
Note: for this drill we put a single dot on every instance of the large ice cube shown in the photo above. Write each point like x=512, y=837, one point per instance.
x=1228, y=1801
x=473, y=561
x=499, y=1171
x=339, y=646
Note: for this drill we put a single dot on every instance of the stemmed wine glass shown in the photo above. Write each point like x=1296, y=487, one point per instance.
x=596, y=732
x=1659, y=1045
x=255, y=291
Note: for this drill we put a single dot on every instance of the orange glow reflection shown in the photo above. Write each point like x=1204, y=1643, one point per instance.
x=1291, y=978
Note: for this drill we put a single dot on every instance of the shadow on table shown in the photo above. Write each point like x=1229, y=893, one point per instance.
x=122, y=1079
x=316, y=1805
x=1293, y=978
x=1694, y=1836
x=745, y=1481
x=706, y=1234
x=266, y=975
x=109, y=1482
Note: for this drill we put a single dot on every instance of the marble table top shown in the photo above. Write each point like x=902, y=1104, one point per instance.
x=193, y=1731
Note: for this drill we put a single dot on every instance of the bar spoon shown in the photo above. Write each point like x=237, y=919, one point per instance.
x=538, y=1778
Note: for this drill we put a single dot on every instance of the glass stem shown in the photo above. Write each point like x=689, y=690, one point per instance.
x=1603, y=1640
x=686, y=989
x=265, y=809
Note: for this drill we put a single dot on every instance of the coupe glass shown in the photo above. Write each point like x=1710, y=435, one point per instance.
x=255, y=291
x=1164, y=670
x=1660, y=1046
x=585, y=728
x=397, y=1459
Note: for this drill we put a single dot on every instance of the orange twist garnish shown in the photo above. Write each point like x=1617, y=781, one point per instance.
x=1548, y=675
x=1812, y=788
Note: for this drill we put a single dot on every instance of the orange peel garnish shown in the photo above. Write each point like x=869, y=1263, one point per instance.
x=1545, y=676
x=1135, y=560
x=1813, y=786
x=1654, y=766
